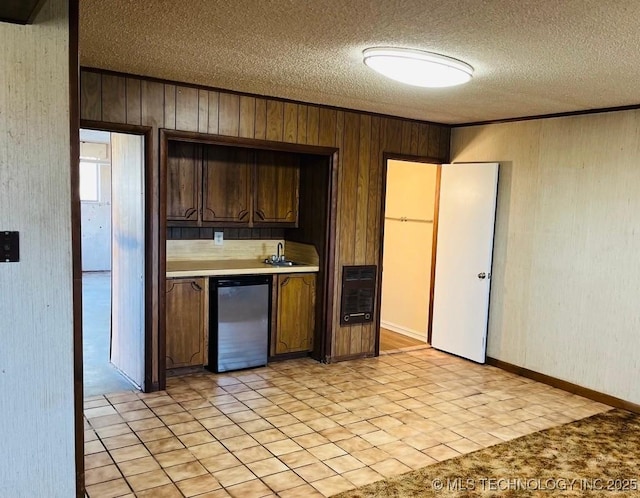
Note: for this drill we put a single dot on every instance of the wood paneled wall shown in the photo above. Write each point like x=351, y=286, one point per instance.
x=362, y=140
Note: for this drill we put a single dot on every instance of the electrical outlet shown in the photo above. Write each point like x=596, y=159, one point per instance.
x=218, y=238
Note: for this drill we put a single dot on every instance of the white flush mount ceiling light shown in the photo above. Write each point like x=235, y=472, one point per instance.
x=417, y=67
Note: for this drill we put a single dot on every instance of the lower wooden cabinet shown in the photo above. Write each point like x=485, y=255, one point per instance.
x=186, y=322
x=295, y=318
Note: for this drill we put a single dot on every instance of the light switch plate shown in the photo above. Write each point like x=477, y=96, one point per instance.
x=218, y=238
x=9, y=247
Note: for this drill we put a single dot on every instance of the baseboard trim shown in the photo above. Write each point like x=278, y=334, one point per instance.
x=585, y=392
x=404, y=331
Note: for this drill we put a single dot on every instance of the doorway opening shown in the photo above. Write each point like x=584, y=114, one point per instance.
x=410, y=218
x=112, y=196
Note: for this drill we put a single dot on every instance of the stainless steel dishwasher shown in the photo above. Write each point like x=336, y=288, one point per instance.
x=239, y=323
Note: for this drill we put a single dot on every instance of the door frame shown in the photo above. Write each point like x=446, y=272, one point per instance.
x=386, y=157
x=332, y=153
x=146, y=133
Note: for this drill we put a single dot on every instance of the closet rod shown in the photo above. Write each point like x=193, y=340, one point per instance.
x=415, y=220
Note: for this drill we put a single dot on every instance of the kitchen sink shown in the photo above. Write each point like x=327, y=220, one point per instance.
x=285, y=262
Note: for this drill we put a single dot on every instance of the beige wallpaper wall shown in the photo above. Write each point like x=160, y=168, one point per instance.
x=566, y=278
x=36, y=332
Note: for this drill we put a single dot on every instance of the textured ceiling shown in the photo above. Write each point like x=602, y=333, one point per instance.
x=531, y=57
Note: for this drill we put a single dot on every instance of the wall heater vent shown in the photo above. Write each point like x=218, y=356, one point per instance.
x=358, y=294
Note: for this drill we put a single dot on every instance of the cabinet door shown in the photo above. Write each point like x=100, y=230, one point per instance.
x=277, y=178
x=185, y=321
x=183, y=182
x=226, y=188
x=295, y=323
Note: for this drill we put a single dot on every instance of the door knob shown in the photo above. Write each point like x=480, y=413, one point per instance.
x=482, y=275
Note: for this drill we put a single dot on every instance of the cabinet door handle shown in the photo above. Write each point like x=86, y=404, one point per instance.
x=195, y=286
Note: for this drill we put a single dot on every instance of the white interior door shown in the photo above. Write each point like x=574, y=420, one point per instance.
x=463, y=259
x=128, y=254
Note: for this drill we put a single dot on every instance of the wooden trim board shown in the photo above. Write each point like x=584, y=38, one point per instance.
x=76, y=242
x=434, y=247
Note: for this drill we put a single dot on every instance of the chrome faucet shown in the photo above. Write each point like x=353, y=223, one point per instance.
x=280, y=255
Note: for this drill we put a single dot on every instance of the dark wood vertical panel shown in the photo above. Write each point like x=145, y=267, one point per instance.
x=290, y=122
x=153, y=106
x=186, y=108
x=275, y=120
x=327, y=127
x=361, y=344
x=362, y=192
x=414, y=138
x=261, y=119
x=229, y=117
x=423, y=139
x=212, y=118
x=406, y=138
x=134, y=101
x=90, y=96
x=341, y=337
x=393, y=135
x=313, y=125
x=302, y=124
x=335, y=290
x=433, y=149
x=445, y=138
x=247, y=117
x=203, y=111
x=349, y=210
x=191, y=232
x=375, y=202
x=373, y=219
x=170, y=107
x=114, y=99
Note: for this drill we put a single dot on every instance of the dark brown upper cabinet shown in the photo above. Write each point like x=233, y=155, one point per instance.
x=184, y=176
x=226, y=196
x=277, y=180
x=226, y=186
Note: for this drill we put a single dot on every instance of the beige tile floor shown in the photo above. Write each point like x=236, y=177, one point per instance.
x=301, y=428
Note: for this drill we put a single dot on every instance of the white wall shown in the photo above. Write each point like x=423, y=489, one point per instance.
x=406, y=276
x=96, y=216
x=36, y=334
x=96, y=227
x=566, y=276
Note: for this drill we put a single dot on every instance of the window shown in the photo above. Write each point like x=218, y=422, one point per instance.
x=89, y=181
x=93, y=156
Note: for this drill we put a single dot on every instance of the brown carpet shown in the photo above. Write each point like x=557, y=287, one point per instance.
x=595, y=456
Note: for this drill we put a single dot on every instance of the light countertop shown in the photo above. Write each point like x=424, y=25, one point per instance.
x=225, y=267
